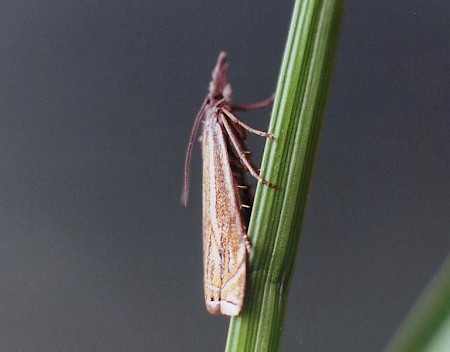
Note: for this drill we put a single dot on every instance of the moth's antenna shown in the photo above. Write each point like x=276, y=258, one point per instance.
x=187, y=163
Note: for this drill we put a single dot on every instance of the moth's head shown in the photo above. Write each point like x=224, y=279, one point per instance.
x=219, y=87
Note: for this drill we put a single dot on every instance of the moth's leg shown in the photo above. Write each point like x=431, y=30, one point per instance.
x=233, y=118
x=245, y=237
x=254, y=106
x=248, y=245
x=240, y=132
x=220, y=106
x=240, y=151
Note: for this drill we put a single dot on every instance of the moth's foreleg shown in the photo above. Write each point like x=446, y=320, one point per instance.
x=233, y=118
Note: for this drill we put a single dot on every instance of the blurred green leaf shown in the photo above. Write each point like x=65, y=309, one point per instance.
x=427, y=328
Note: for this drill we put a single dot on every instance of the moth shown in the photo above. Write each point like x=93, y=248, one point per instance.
x=225, y=158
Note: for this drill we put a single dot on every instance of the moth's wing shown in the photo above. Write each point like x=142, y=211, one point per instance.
x=224, y=237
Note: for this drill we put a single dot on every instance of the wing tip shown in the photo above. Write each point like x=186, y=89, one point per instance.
x=224, y=308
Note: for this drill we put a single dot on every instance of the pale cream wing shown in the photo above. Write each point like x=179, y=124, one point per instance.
x=224, y=237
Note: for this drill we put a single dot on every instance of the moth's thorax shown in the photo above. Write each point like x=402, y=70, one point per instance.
x=214, y=108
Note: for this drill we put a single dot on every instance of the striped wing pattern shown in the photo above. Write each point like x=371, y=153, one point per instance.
x=224, y=237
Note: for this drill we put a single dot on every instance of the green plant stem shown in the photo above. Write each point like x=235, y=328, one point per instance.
x=278, y=213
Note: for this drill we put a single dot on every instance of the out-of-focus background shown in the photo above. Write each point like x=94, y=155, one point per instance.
x=97, y=99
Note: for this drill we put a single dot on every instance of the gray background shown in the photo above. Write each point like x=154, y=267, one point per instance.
x=97, y=100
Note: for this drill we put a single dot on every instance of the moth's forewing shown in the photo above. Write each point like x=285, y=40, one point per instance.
x=224, y=237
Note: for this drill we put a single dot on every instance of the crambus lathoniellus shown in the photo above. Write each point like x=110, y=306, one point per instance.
x=225, y=158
